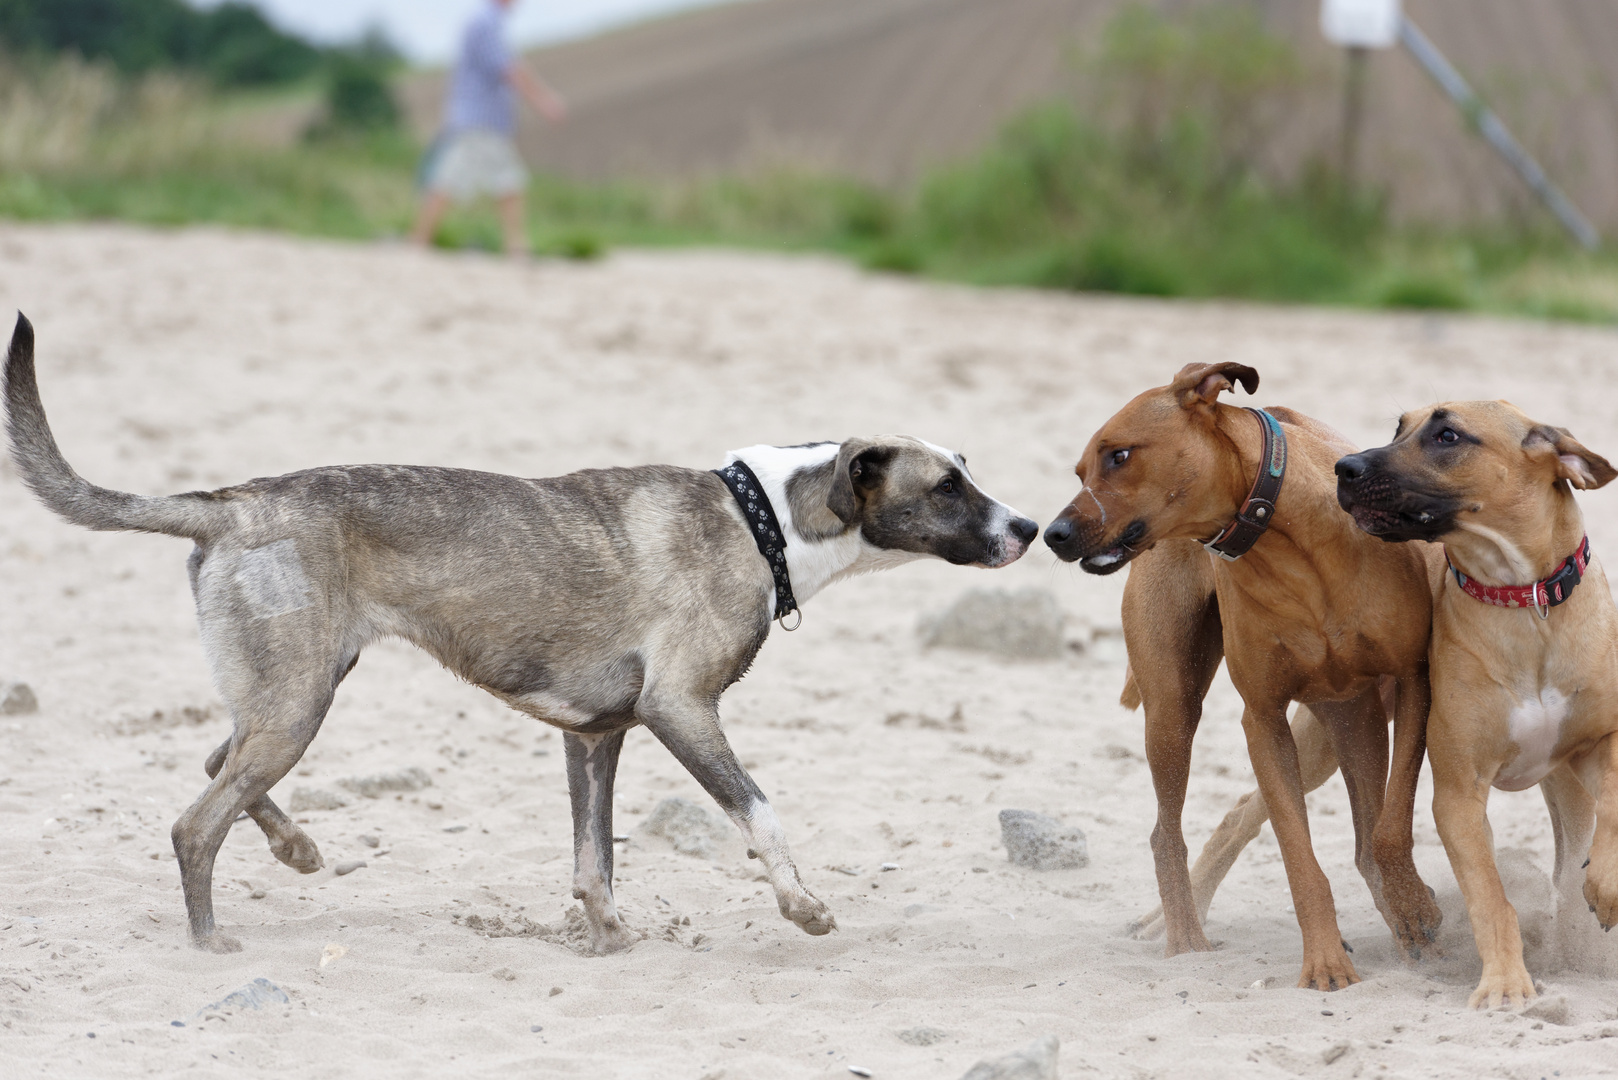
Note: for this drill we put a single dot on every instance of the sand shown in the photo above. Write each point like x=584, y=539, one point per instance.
x=179, y=360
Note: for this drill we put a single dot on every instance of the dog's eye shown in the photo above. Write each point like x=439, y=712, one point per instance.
x=947, y=487
x=1447, y=436
x=1118, y=457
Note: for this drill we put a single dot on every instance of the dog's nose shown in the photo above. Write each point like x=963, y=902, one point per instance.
x=1352, y=467
x=1024, y=530
x=1059, y=531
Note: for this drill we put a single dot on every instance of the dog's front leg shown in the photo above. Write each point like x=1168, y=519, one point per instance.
x=592, y=764
x=1326, y=965
x=1461, y=812
x=1412, y=913
x=690, y=729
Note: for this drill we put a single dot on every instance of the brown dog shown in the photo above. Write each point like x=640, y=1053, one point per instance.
x=1315, y=612
x=1525, y=682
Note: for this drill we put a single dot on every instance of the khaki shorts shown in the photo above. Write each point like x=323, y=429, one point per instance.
x=477, y=163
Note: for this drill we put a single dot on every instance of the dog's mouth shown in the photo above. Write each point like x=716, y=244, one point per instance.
x=1384, y=510
x=1108, y=561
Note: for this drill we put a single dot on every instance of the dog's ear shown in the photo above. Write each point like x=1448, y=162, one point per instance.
x=1580, y=467
x=858, y=470
x=1201, y=384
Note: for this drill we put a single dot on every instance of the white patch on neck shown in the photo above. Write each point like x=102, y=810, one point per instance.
x=1506, y=565
x=812, y=564
x=1535, y=725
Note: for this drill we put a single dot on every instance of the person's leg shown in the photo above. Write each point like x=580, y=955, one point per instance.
x=516, y=229
x=432, y=212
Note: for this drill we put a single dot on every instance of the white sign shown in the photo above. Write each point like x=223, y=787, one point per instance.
x=1365, y=24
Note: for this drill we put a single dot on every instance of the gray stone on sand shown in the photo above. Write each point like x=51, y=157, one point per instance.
x=348, y=866
x=17, y=699
x=374, y=787
x=692, y=829
x=1036, y=1061
x=313, y=798
x=255, y=995
x=1023, y=625
x=1042, y=843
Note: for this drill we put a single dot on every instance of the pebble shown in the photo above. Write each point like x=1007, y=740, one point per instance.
x=555, y=990
x=371, y=841
x=535, y=1027
x=257, y=894
x=859, y=1070
x=17, y=699
x=332, y=953
x=1036, y=1061
x=349, y=866
x=1023, y=625
x=1042, y=843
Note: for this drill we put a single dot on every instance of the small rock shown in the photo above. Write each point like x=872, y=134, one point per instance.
x=374, y=787
x=1025, y=625
x=1042, y=843
x=371, y=841
x=535, y=1027
x=857, y=1070
x=1335, y=1051
x=692, y=829
x=348, y=866
x=257, y=894
x=504, y=974
x=255, y=995
x=1036, y=1061
x=923, y=1036
x=1552, y=1010
x=309, y=798
x=332, y=953
x=554, y=991
x=17, y=699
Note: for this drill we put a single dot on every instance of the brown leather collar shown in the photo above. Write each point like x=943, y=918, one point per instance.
x=1238, y=538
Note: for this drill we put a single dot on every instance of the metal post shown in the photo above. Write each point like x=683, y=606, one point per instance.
x=1489, y=126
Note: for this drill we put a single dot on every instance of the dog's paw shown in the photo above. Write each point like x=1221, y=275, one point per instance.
x=1511, y=989
x=1185, y=939
x=611, y=938
x=813, y=917
x=216, y=942
x=1149, y=927
x=1414, y=917
x=298, y=851
x=1331, y=971
x=1601, y=889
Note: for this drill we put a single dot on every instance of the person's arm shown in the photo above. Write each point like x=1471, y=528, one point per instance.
x=534, y=90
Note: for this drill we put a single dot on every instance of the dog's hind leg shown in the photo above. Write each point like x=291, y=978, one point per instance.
x=1316, y=761
x=689, y=727
x=288, y=843
x=592, y=763
x=1573, y=824
x=279, y=701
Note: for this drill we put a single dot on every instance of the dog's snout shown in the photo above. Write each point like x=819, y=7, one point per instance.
x=1353, y=467
x=1059, y=531
x=1024, y=529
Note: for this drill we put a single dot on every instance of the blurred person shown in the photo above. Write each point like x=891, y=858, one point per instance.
x=476, y=153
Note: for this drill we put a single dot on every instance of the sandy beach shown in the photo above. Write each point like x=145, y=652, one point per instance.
x=191, y=359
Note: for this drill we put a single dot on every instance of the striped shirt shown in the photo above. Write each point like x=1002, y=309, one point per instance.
x=480, y=98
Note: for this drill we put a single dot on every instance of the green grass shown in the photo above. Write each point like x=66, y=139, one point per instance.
x=1145, y=184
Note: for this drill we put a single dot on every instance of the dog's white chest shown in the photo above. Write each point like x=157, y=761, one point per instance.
x=1535, y=725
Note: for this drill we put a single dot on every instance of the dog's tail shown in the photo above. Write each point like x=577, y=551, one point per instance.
x=1130, y=698
x=43, y=468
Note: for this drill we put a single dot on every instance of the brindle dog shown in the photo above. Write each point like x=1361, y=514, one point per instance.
x=594, y=601
x=1525, y=689
x=1315, y=612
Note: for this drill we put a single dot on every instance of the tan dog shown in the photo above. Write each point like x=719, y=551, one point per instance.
x=1522, y=695
x=1315, y=612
